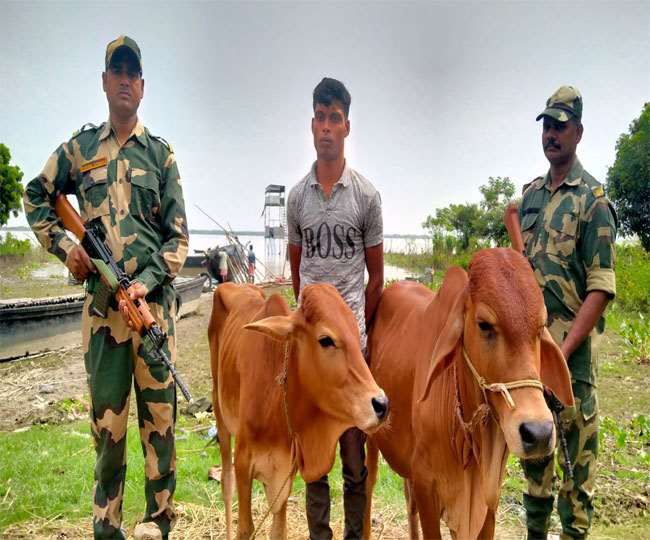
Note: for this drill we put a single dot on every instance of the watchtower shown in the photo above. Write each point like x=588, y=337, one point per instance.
x=275, y=231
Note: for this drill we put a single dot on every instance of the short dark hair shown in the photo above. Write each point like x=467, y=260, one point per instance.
x=329, y=90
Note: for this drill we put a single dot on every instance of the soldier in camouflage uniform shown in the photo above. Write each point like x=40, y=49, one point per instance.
x=569, y=229
x=127, y=183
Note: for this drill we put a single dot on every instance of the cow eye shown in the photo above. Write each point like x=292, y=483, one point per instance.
x=485, y=326
x=326, y=341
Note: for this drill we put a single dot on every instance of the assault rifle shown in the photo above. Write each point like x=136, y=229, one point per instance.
x=511, y=221
x=116, y=282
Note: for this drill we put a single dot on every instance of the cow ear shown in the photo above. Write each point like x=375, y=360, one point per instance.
x=451, y=333
x=277, y=327
x=554, y=371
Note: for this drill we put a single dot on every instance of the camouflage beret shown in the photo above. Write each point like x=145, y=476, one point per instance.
x=122, y=41
x=564, y=104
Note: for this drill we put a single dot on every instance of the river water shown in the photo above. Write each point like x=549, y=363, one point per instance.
x=270, y=256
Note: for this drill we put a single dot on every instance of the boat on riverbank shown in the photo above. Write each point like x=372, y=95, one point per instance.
x=32, y=325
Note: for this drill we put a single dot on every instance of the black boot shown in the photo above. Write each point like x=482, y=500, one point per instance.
x=318, y=509
x=353, y=457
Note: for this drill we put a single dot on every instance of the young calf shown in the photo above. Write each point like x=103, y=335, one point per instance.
x=287, y=399
x=439, y=358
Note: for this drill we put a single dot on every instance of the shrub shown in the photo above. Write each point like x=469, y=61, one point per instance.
x=14, y=246
x=633, y=278
x=636, y=333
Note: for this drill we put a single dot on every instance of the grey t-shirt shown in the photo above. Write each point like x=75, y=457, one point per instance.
x=334, y=232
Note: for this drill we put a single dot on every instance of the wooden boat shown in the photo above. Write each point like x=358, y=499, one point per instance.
x=32, y=325
x=195, y=261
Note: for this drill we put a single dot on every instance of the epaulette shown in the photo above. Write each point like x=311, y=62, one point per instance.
x=526, y=186
x=158, y=138
x=85, y=127
x=598, y=191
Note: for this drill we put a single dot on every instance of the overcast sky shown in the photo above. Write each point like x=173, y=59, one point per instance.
x=444, y=95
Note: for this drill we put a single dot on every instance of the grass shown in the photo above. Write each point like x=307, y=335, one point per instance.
x=17, y=278
x=46, y=473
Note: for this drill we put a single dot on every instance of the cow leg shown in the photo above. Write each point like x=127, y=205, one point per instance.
x=279, y=528
x=487, y=532
x=277, y=494
x=372, y=463
x=227, y=474
x=411, y=510
x=244, y=480
x=428, y=506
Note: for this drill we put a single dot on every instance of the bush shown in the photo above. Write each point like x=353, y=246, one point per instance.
x=633, y=278
x=636, y=333
x=14, y=246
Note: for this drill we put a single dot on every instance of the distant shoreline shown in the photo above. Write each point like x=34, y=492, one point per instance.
x=237, y=233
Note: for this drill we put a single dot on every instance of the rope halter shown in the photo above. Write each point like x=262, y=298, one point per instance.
x=501, y=387
x=281, y=379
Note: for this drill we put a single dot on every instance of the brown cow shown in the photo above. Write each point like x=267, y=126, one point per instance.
x=328, y=385
x=449, y=438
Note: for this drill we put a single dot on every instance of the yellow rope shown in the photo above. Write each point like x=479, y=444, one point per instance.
x=503, y=388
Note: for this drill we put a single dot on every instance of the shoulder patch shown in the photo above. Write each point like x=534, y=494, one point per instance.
x=160, y=139
x=598, y=191
x=86, y=127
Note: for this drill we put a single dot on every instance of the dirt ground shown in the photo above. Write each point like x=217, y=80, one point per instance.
x=52, y=387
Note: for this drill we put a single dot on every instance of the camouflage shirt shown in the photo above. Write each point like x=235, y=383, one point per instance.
x=569, y=237
x=133, y=191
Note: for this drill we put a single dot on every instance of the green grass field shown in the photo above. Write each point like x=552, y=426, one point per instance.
x=46, y=470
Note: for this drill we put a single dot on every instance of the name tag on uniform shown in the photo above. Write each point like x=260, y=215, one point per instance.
x=95, y=164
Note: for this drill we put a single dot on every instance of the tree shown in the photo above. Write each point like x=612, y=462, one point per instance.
x=628, y=180
x=473, y=221
x=497, y=193
x=463, y=219
x=11, y=190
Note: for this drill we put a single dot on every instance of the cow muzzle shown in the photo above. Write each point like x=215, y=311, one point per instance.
x=375, y=414
x=537, y=438
x=381, y=406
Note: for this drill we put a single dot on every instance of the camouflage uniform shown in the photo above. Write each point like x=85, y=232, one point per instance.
x=133, y=192
x=569, y=237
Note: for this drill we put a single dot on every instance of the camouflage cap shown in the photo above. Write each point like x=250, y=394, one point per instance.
x=565, y=103
x=123, y=41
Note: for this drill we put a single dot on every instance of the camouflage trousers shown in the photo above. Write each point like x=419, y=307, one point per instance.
x=575, y=497
x=114, y=359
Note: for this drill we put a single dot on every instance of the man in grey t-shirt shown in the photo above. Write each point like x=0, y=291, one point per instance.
x=335, y=233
